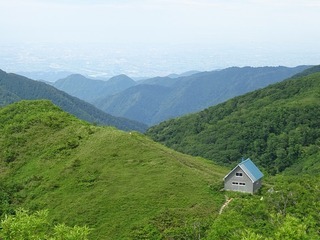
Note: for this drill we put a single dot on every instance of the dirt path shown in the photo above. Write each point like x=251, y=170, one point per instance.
x=228, y=200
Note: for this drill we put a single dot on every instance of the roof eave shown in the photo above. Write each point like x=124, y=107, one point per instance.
x=230, y=172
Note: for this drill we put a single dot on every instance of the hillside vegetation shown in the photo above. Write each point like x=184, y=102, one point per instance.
x=119, y=184
x=277, y=126
x=122, y=185
x=14, y=88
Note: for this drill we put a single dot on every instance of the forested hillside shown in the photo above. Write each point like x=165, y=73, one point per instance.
x=14, y=88
x=183, y=95
x=122, y=185
x=277, y=126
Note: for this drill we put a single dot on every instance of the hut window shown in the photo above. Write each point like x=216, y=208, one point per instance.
x=242, y=184
x=235, y=183
x=239, y=174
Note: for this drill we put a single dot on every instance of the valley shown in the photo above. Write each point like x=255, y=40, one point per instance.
x=159, y=120
x=125, y=185
x=154, y=100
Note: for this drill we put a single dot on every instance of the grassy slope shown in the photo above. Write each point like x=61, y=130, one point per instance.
x=113, y=181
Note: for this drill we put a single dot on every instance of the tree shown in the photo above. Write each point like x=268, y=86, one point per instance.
x=25, y=226
x=292, y=228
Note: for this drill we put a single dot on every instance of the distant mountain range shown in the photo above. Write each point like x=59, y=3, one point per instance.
x=153, y=100
x=14, y=88
x=46, y=76
x=157, y=99
x=90, y=90
x=185, y=74
x=125, y=186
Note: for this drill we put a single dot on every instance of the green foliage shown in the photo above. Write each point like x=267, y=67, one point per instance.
x=6, y=199
x=276, y=126
x=63, y=232
x=25, y=226
x=119, y=184
x=292, y=228
x=173, y=224
x=249, y=235
x=147, y=231
x=286, y=209
x=125, y=186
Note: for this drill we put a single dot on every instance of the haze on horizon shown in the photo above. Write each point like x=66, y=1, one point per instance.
x=156, y=37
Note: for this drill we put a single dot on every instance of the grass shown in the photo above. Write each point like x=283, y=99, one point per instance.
x=120, y=184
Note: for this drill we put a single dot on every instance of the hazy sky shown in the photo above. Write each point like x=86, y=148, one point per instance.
x=161, y=21
x=281, y=25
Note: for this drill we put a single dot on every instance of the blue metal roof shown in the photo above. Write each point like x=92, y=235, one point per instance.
x=251, y=169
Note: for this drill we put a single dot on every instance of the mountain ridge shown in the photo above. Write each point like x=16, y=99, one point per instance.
x=15, y=87
x=274, y=125
x=91, y=89
x=193, y=93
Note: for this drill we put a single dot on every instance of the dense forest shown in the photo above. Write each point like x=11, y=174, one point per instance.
x=277, y=127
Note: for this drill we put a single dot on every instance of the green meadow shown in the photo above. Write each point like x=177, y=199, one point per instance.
x=120, y=184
